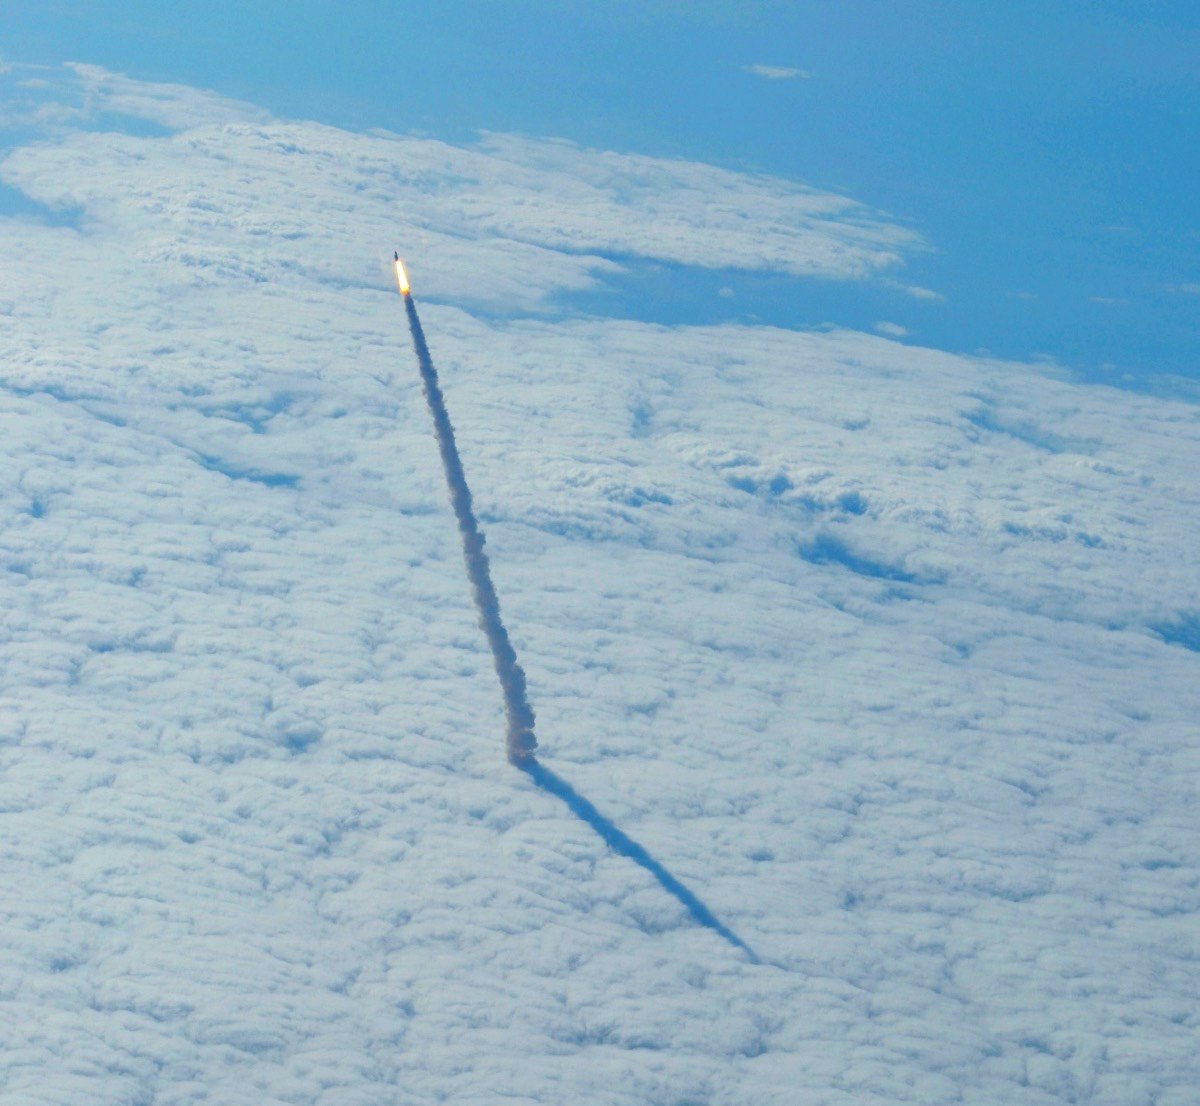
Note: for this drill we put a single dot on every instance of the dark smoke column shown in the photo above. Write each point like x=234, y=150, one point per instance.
x=521, y=741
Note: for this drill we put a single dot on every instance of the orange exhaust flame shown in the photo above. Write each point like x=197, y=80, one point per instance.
x=402, y=278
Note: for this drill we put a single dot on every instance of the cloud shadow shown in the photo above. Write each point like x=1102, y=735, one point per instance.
x=625, y=846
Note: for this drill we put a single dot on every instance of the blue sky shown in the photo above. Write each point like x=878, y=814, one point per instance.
x=1044, y=152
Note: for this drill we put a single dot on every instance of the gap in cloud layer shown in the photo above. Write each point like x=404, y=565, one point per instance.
x=657, y=291
x=660, y=291
x=16, y=204
x=1183, y=630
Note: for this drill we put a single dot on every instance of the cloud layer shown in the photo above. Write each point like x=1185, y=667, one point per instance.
x=884, y=653
x=509, y=221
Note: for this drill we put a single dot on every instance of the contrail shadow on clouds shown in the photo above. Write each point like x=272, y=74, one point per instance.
x=625, y=846
x=521, y=741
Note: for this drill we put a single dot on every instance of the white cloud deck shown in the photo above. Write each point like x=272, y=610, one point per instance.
x=866, y=643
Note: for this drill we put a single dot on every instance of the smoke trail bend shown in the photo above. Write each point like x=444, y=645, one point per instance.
x=521, y=740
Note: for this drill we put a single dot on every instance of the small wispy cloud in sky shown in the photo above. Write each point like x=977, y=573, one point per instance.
x=1192, y=288
x=919, y=293
x=777, y=72
x=892, y=330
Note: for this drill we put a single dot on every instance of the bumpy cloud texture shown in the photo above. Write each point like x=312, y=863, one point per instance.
x=888, y=655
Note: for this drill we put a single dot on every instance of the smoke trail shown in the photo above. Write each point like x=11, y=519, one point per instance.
x=521, y=741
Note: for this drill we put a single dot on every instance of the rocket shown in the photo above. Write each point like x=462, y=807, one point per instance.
x=401, y=275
